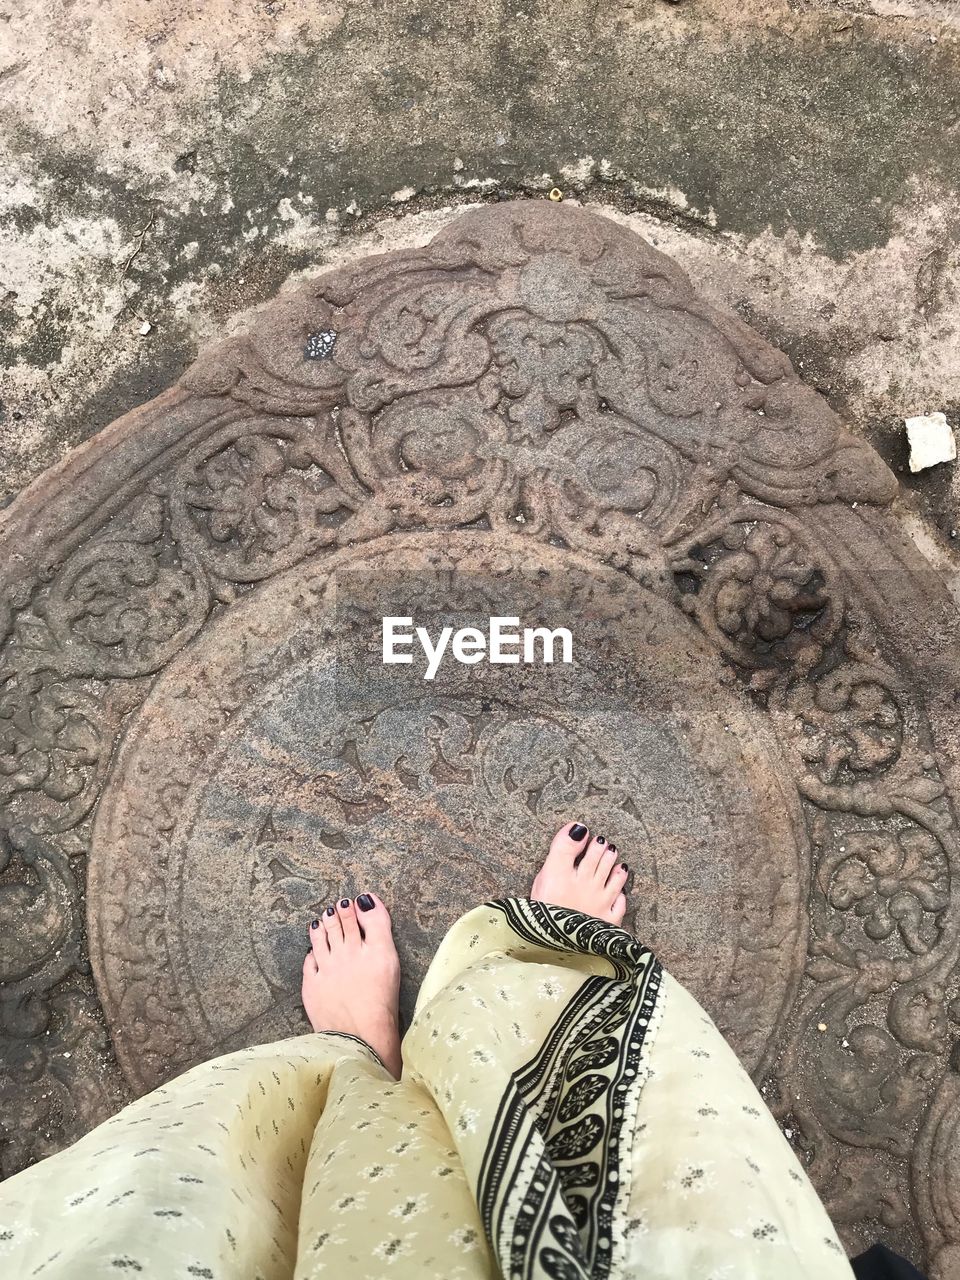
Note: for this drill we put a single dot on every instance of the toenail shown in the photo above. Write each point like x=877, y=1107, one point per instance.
x=330, y=910
x=314, y=924
x=344, y=902
x=624, y=867
x=601, y=839
x=613, y=848
x=365, y=902
x=577, y=831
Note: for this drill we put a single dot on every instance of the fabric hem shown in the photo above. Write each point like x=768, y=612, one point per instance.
x=634, y=1097
x=347, y=1035
x=549, y=1189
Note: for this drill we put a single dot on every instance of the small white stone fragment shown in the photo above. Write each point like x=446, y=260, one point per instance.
x=931, y=441
x=403, y=195
x=821, y=1026
x=788, y=1133
x=457, y=164
x=145, y=328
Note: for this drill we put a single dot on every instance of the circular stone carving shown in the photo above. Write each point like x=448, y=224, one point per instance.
x=278, y=764
x=537, y=377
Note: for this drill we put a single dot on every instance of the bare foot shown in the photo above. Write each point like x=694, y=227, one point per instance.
x=593, y=885
x=351, y=976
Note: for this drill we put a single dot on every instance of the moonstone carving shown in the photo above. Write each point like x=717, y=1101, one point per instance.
x=534, y=412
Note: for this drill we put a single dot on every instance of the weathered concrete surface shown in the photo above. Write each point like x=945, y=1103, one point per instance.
x=535, y=412
x=171, y=162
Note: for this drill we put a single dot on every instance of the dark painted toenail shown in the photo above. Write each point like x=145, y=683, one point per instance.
x=601, y=839
x=365, y=902
x=577, y=831
x=330, y=910
x=344, y=902
x=624, y=867
x=613, y=848
x=314, y=924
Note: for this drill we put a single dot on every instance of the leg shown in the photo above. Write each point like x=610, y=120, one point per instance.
x=579, y=1097
x=712, y=1179
x=351, y=976
x=201, y=1178
x=204, y=1176
x=385, y=1191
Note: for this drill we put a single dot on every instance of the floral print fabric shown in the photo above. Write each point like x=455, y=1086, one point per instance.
x=566, y=1111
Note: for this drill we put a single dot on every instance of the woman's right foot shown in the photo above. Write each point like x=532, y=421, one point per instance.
x=592, y=883
x=351, y=976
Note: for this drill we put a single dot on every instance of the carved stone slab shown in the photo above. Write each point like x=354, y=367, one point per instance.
x=535, y=416
x=440, y=794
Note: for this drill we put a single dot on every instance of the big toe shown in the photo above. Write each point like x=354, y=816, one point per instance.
x=374, y=919
x=568, y=844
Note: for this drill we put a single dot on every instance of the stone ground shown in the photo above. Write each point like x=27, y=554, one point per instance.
x=171, y=163
x=168, y=167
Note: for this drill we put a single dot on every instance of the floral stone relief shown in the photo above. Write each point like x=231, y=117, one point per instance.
x=200, y=747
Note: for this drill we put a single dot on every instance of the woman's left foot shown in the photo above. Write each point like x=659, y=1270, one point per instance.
x=351, y=976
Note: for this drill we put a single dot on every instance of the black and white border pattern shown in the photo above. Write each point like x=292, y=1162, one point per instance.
x=551, y=1182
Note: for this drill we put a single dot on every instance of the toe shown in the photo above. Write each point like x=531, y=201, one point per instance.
x=374, y=918
x=606, y=866
x=332, y=929
x=318, y=938
x=617, y=882
x=309, y=965
x=591, y=859
x=347, y=912
x=569, y=842
x=619, y=909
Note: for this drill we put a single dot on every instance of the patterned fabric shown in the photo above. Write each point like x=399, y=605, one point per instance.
x=551, y=1181
x=566, y=1111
